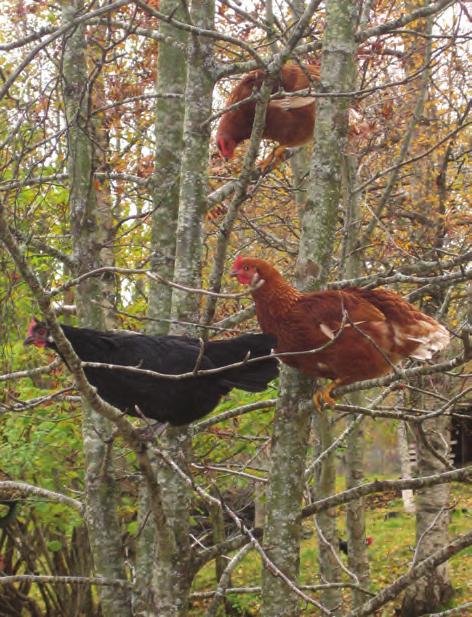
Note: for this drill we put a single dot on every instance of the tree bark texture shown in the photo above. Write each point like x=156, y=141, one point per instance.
x=358, y=561
x=285, y=490
x=429, y=593
x=90, y=228
x=325, y=485
x=172, y=577
x=171, y=78
x=337, y=74
x=172, y=574
x=194, y=170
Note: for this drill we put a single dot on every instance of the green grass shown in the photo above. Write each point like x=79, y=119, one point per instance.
x=390, y=554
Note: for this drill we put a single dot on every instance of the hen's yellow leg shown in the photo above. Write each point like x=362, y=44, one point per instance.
x=274, y=159
x=323, y=397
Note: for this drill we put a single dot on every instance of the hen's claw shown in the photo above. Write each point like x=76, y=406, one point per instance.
x=273, y=160
x=322, y=398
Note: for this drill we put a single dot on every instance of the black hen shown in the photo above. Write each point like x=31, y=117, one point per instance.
x=343, y=545
x=166, y=400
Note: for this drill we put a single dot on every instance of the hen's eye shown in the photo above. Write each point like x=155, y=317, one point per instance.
x=246, y=268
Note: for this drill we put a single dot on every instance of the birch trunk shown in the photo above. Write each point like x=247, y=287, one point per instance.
x=319, y=225
x=194, y=171
x=172, y=578
x=406, y=467
x=171, y=79
x=284, y=493
x=358, y=561
x=90, y=217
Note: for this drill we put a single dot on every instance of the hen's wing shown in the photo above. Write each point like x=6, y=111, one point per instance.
x=413, y=333
x=346, y=330
x=292, y=102
x=331, y=310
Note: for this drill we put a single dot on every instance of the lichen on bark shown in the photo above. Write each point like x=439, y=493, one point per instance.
x=90, y=226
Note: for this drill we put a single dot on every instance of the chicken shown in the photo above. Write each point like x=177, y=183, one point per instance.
x=165, y=400
x=359, y=333
x=344, y=547
x=289, y=121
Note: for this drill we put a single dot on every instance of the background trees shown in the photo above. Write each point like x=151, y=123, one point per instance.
x=106, y=118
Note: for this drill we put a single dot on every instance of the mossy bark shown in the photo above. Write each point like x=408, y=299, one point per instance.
x=90, y=226
x=282, y=530
x=319, y=221
x=194, y=170
x=172, y=575
x=171, y=79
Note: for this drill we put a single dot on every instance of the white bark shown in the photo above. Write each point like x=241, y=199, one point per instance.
x=405, y=465
x=89, y=218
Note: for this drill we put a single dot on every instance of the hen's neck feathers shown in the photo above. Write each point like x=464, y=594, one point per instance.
x=277, y=293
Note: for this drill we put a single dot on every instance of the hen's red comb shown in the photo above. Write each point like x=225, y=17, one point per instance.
x=238, y=260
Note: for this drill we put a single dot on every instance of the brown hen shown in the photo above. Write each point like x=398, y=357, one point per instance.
x=289, y=121
x=360, y=333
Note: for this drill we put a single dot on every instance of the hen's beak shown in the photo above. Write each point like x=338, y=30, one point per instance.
x=234, y=273
x=28, y=340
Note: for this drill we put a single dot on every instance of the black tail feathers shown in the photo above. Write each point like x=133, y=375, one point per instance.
x=254, y=376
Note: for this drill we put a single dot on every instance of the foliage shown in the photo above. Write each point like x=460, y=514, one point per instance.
x=413, y=234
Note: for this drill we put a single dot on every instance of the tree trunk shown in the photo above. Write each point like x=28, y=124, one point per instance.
x=194, y=171
x=172, y=578
x=284, y=493
x=90, y=217
x=358, y=561
x=405, y=465
x=432, y=519
x=319, y=225
x=171, y=79
x=325, y=485
x=432, y=438
x=172, y=575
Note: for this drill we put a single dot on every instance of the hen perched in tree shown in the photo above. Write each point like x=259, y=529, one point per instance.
x=166, y=400
x=289, y=121
x=360, y=333
x=344, y=547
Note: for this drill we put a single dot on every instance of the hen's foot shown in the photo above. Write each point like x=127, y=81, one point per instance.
x=322, y=398
x=273, y=160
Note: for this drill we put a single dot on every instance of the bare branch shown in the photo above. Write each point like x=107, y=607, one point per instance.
x=40, y=370
x=424, y=568
x=20, y=490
